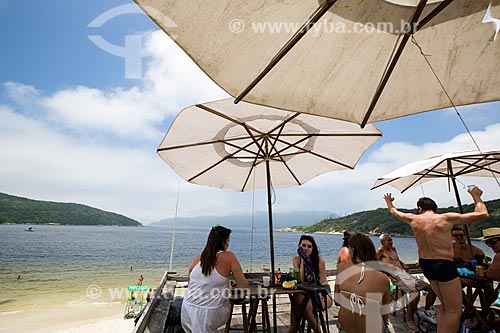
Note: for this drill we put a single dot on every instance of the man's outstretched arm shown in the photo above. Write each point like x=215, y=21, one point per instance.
x=480, y=212
x=404, y=217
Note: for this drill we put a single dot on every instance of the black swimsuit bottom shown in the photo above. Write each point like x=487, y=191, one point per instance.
x=438, y=269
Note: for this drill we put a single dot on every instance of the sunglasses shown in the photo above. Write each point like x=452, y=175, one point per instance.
x=458, y=235
x=306, y=246
x=491, y=242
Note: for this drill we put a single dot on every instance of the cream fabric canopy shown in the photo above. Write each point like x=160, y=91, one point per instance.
x=247, y=146
x=467, y=163
x=225, y=145
x=335, y=69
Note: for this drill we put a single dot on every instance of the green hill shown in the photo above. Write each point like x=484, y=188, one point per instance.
x=17, y=210
x=380, y=220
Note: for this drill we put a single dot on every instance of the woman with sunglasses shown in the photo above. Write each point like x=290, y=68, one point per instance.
x=312, y=270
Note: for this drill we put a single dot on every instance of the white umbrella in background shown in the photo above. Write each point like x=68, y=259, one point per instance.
x=450, y=166
x=245, y=147
x=344, y=59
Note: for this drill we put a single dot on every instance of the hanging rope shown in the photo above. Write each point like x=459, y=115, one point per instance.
x=414, y=41
x=422, y=188
x=175, y=223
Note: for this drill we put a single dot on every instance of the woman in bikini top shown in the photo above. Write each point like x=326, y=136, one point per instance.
x=361, y=291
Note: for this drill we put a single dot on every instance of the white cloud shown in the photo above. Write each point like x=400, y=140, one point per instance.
x=171, y=82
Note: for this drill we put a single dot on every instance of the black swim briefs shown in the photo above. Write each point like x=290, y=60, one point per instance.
x=438, y=269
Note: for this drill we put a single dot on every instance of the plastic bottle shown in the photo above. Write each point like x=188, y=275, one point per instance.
x=277, y=277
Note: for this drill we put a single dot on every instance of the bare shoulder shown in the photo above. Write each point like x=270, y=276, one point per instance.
x=477, y=250
x=378, y=277
x=226, y=256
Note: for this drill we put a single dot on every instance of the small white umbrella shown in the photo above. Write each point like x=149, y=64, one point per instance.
x=466, y=163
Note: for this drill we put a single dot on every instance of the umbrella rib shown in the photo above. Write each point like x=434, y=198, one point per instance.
x=285, y=163
x=249, y=174
x=394, y=61
x=333, y=134
x=282, y=125
x=231, y=119
x=217, y=163
x=472, y=167
x=236, y=121
x=432, y=14
x=311, y=21
x=188, y=145
x=423, y=174
x=311, y=152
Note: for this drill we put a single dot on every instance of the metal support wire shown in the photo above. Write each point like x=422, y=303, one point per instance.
x=175, y=223
x=414, y=41
x=253, y=227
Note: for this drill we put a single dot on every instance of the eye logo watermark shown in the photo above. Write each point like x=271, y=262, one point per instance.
x=132, y=51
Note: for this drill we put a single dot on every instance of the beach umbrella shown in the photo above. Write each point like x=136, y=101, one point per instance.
x=359, y=61
x=246, y=146
x=449, y=166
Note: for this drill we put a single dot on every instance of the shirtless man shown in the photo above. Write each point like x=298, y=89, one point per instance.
x=388, y=254
x=461, y=248
x=435, y=250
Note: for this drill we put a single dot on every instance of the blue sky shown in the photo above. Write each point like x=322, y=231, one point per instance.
x=75, y=128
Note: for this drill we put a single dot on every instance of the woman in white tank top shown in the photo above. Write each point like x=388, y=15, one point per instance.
x=206, y=305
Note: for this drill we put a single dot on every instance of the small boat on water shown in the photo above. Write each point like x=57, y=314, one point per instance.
x=30, y=229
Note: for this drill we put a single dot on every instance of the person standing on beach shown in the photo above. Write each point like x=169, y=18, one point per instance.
x=435, y=250
x=206, y=305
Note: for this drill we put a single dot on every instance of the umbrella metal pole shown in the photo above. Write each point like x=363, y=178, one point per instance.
x=271, y=238
x=461, y=210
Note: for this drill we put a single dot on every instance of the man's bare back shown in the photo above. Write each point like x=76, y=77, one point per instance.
x=433, y=231
x=433, y=235
x=435, y=249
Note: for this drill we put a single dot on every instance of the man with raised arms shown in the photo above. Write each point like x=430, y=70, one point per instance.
x=435, y=250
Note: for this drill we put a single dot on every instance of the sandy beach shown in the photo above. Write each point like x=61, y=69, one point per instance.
x=69, y=318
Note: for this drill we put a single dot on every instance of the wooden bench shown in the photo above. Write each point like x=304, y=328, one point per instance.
x=153, y=319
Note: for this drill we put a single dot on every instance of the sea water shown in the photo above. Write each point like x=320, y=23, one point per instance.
x=90, y=264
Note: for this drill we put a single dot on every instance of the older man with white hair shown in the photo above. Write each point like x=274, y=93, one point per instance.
x=388, y=254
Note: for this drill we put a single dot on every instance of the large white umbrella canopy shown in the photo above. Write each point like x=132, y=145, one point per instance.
x=355, y=63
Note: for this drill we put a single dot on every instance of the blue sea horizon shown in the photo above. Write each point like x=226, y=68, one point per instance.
x=63, y=264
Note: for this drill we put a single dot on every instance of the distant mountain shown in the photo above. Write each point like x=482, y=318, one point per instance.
x=381, y=221
x=18, y=210
x=280, y=220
